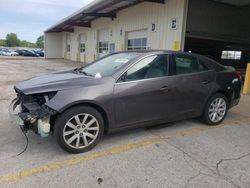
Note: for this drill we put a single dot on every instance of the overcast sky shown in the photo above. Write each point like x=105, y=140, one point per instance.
x=29, y=18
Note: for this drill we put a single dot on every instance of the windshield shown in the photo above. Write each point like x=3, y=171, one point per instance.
x=108, y=65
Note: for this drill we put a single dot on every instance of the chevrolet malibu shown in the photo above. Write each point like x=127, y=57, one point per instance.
x=125, y=90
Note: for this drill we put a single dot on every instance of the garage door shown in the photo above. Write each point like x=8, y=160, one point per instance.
x=103, y=43
x=137, y=40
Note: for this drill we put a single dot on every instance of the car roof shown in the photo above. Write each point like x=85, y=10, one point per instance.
x=156, y=51
x=143, y=51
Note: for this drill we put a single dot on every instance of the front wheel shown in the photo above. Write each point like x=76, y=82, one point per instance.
x=79, y=129
x=215, y=110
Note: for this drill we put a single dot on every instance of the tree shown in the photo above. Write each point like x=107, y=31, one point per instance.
x=25, y=43
x=40, y=42
x=12, y=40
x=2, y=42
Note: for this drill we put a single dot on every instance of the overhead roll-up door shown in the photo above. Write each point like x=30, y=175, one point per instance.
x=137, y=40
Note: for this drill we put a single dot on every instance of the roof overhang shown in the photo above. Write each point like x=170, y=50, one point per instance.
x=95, y=10
x=235, y=2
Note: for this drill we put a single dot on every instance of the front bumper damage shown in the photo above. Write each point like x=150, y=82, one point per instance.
x=27, y=112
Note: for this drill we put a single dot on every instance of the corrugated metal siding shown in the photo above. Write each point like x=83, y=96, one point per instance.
x=53, y=44
x=138, y=17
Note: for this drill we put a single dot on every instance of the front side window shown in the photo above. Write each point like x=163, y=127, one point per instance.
x=103, y=47
x=149, y=67
x=185, y=64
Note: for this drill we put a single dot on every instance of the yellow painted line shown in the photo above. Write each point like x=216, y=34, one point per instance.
x=112, y=151
x=68, y=162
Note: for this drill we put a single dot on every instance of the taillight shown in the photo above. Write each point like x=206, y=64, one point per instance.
x=238, y=74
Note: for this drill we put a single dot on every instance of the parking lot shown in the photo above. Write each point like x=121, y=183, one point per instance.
x=179, y=154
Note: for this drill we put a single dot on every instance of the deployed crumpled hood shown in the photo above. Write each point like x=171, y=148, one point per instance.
x=55, y=82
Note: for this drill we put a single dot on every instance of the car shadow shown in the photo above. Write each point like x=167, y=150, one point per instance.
x=48, y=146
x=150, y=130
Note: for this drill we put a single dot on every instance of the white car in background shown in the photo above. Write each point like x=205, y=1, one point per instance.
x=2, y=51
x=7, y=52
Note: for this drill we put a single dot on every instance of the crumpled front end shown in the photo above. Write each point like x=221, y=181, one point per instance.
x=31, y=112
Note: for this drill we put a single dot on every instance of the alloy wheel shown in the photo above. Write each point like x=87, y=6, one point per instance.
x=81, y=131
x=217, y=110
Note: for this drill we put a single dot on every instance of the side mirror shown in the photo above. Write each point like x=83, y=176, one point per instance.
x=123, y=78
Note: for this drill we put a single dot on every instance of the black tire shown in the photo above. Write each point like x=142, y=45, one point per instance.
x=60, y=127
x=205, y=116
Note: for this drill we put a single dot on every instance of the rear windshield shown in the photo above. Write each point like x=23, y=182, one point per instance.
x=107, y=66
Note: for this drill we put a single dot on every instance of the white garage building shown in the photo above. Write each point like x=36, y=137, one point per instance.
x=107, y=26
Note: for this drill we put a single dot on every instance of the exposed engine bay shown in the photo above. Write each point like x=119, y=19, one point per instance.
x=31, y=113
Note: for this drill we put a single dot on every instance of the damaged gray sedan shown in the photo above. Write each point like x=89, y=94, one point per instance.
x=124, y=90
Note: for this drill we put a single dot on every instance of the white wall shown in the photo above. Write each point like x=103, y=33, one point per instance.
x=137, y=17
x=53, y=45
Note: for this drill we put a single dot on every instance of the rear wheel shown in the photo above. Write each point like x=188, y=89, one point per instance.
x=215, y=110
x=79, y=129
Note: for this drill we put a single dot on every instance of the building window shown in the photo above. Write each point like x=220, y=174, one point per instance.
x=137, y=44
x=68, y=47
x=103, y=47
x=231, y=55
x=82, y=47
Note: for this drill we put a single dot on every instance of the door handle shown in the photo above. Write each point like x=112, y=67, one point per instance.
x=205, y=82
x=164, y=88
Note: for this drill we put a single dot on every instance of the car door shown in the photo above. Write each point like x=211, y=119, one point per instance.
x=192, y=85
x=143, y=93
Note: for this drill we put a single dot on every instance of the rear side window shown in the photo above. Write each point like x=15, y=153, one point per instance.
x=211, y=64
x=185, y=64
x=202, y=66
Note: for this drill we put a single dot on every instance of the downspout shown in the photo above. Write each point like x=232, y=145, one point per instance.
x=184, y=24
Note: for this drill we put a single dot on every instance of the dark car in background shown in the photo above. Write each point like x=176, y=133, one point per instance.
x=39, y=52
x=27, y=53
x=124, y=90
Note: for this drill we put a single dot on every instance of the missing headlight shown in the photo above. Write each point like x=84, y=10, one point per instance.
x=43, y=97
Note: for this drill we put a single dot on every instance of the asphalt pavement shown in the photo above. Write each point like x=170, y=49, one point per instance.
x=179, y=154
